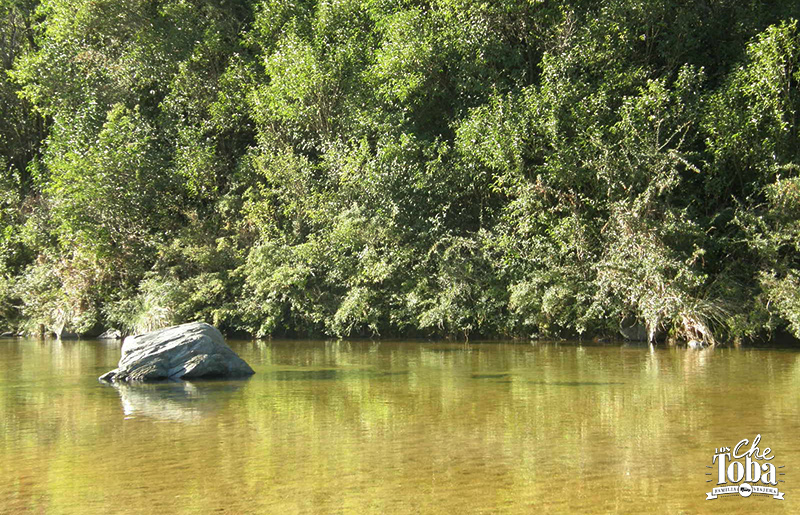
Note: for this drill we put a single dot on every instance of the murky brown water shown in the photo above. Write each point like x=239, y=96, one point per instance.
x=394, y=428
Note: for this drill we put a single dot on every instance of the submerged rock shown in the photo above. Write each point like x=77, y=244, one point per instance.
x=185, y=351
x=64, y=334
x=111, y=334
x=64, y=331
x=695, y=344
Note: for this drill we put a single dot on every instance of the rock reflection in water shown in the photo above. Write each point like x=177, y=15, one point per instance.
x=180, y=401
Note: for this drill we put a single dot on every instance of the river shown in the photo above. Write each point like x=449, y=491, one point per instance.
x=395, y=427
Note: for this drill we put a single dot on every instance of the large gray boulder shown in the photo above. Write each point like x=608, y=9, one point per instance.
x=185, y=351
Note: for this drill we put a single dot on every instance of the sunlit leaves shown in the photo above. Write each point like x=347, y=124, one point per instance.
x=438, y=167
x=110, y=194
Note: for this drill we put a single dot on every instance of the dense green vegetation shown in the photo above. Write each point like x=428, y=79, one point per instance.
x=390, y=167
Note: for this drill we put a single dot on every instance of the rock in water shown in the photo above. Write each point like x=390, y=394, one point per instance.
x=695, y=344
x=111, y=334
x=185, y=351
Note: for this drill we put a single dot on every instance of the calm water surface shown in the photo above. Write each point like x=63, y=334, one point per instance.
x=336, y=427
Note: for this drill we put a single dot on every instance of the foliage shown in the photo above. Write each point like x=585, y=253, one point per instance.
x=379, y=168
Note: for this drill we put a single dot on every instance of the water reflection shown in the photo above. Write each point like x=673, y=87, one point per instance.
x=179, y=401
x=576, y=383
x=330, y=374
x=359, y=427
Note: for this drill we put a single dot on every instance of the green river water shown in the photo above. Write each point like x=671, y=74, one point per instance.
x=395, y=427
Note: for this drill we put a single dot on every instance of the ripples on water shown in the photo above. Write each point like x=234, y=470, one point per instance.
x=392, y=428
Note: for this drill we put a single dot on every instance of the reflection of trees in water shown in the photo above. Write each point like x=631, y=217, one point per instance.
x=181, y=401
x=620, y=410
x=462, y=428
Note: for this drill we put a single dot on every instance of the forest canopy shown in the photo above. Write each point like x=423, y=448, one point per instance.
x=439, y=168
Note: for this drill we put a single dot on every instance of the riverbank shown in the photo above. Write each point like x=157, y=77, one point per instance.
x=375, y=169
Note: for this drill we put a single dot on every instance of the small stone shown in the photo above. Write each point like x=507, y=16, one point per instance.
x=111, y=334
x=695, y=344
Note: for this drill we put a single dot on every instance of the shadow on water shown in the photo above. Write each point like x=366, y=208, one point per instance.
x=506, y=378
x=308, y=375
x=329, y=374
x=179, y=401
x=549, y=383
x=574, y=383
x=390, y=374
x=489, y=376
